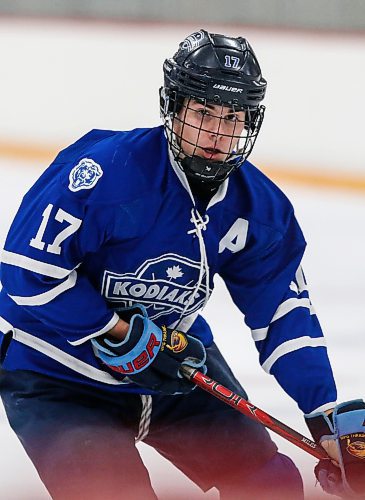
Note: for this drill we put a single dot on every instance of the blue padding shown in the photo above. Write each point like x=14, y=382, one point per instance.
x=126, y=361
x=351, y=421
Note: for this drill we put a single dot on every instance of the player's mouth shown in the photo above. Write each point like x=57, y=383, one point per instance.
x=211, y=153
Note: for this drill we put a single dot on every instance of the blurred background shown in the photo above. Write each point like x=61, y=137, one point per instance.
x=68, y=66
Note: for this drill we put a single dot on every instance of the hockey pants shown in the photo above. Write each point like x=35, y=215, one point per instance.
x=82, y=440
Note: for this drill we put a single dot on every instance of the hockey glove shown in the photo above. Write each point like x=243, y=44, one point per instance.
x=151, y=356
x=345, y=428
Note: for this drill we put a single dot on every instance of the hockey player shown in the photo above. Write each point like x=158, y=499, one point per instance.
x=106, y=268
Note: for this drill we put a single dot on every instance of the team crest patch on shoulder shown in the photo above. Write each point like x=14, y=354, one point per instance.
x=84, y=175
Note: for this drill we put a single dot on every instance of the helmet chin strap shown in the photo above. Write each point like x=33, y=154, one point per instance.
x=206, y=171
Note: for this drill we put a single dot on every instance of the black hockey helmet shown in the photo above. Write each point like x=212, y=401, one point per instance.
x=223, y=75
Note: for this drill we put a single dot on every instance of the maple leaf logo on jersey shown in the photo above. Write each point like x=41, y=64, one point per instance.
x=164, y=285
x=174, y=272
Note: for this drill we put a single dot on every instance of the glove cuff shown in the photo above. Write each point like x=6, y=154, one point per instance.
x=126, y=313
x=320, y=425
x=135, y=353
x=355, y=404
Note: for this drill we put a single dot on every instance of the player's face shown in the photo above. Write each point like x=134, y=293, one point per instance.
x=208, y=130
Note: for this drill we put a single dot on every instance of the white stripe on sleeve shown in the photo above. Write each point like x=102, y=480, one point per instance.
x=105, y=329
x=15, y=259
x=290, y=346
x=299, y=276
x=290, y=304
x=60, y=356
x=5, y=327
x=323, y=408
x=259, y=333
x=44, y=298
x=286, y=307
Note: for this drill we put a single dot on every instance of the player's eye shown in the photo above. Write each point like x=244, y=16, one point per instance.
x=202, y=112
x=232, y=117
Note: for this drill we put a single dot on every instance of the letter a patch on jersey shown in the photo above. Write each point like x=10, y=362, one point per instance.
x=84, y=175
x=235, y=239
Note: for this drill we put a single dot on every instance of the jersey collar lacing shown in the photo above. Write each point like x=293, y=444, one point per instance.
x=200, y=225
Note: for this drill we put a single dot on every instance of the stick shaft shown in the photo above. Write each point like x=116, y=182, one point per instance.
x=240, y=404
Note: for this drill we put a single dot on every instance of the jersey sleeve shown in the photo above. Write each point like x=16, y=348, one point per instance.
x=41, y=268
x=267, y=284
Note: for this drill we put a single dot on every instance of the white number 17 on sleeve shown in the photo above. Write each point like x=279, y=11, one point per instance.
x=61, y=216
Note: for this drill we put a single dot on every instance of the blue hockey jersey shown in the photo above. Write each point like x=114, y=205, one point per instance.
x=113, y=222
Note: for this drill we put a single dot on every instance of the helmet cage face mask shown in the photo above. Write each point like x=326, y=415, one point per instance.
x=208, y=140
x=211, y=105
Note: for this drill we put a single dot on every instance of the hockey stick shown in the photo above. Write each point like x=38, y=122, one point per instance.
x=250, y=410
